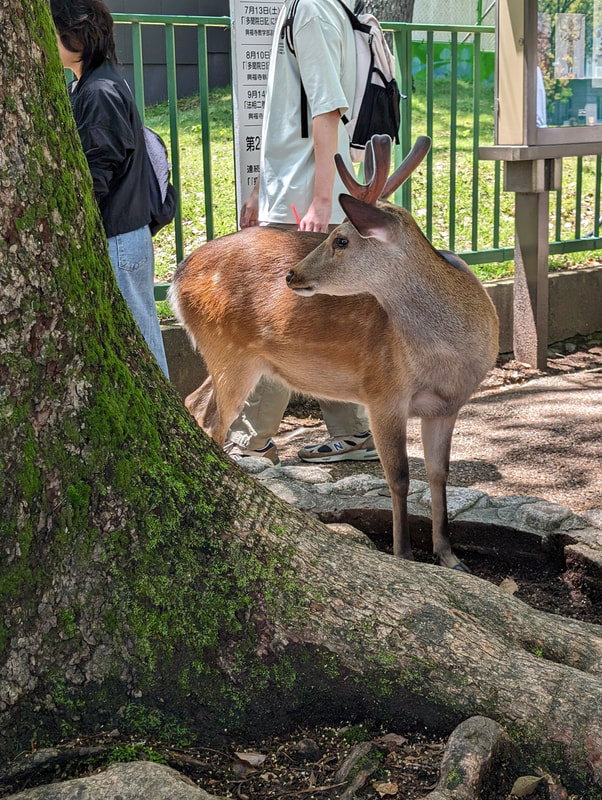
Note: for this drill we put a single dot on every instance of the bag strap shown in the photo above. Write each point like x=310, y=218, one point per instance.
x=287, y=28
x=287, y=34
x=353, y=16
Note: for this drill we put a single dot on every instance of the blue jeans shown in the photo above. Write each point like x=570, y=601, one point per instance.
x=134, y=265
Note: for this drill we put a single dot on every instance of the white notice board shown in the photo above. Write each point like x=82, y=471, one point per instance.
x=252, y=32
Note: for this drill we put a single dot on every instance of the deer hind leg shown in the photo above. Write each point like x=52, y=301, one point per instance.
x=391, y=442
x=216, y=403
x=201, y=402
x=436, y=440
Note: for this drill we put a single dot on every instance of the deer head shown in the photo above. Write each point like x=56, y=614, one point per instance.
x=375, y=231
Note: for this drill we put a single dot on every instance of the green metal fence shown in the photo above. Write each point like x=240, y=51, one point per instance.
x=169, y=23
x=448, y=80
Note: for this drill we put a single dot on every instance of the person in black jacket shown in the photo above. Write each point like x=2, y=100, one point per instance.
x=110, y=130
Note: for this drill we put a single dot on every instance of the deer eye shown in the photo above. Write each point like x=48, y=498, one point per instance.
x=340, y=243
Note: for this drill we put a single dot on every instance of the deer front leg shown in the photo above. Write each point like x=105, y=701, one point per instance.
x=436, y=441
x=391, y=443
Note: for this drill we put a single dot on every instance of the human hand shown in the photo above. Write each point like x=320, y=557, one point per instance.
x=317, y=217
x=249, y=212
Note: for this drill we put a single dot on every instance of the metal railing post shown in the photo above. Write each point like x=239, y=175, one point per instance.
x=476, y=119
x=453, y=113
x=205, y=131
x=138, y=68
x=172, y=99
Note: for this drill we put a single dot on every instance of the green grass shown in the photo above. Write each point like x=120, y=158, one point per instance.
x=444, y=218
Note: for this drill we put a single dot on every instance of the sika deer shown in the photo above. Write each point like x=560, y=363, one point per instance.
x=376, y=316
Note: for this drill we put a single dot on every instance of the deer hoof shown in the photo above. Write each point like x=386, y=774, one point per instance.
x=461, y=567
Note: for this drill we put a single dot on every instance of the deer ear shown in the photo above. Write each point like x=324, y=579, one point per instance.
x=369, y=221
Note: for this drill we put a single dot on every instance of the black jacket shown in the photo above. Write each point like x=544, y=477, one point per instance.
x=110, y=130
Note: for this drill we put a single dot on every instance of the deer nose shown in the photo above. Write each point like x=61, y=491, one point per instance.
x=290, y=275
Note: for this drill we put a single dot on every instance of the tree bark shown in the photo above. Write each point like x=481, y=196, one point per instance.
x=146, y=582
x=392, y=10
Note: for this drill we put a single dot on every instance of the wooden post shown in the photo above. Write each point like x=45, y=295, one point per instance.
x=532, y=182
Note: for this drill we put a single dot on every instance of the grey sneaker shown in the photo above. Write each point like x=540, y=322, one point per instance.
x=236, y=452
x=359, y=447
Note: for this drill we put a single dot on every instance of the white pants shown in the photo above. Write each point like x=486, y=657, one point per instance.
x=264, y=408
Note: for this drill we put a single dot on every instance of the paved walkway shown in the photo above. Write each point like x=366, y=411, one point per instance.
x=527, y=457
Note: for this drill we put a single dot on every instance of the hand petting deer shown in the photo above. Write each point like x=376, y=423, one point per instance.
x=371, y=314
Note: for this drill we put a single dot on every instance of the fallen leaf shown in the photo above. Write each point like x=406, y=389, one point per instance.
x=526, y=785
x=252, y=759
x=509, y=585
x=393, y=740
x=386, y=789
x=242, y=769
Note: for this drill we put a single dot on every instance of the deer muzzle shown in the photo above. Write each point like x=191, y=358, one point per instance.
x=299, y=285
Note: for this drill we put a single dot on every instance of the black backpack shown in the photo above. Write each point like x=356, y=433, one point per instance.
x=163, y=196
x=377, y=96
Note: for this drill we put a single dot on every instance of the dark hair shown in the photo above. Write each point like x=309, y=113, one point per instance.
x=85, y=25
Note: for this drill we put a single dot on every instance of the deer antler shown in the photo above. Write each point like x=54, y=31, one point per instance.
x=376, y=169
x=408, y=165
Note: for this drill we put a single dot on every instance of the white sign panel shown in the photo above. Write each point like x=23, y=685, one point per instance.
x=252, y=32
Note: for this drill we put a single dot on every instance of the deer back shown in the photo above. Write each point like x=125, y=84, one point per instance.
x=232, y=298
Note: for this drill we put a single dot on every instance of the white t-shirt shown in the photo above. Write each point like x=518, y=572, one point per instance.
x=325, y=48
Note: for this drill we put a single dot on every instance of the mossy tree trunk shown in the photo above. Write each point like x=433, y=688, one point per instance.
x=145, y=581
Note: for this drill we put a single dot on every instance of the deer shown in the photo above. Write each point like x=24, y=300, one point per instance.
x=371, y=313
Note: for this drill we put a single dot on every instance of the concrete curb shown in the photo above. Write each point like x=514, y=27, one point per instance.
x=481, y=520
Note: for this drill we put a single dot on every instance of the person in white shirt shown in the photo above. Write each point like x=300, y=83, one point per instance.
x=299, y=171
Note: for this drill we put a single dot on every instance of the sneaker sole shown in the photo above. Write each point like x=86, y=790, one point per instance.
x=354, y=455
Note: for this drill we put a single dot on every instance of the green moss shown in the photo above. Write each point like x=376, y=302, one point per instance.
x=328, y=663
x=454, y=779
x=66, y=621
x=30, y=476
x=134, y=752
x=137, y=719
x=355, y=734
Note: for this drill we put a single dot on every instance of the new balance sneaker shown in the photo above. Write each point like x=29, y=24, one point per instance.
x=270, y=451
x=359, y=447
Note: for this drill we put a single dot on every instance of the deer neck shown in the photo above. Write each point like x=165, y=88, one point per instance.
x=416, y=299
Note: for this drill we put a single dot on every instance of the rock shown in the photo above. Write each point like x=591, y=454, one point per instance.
x=359, y=484
x=293, y=493
x=594, y=517
x=310, y=487
x=255, y=466
x=133, y=781
x=542, y=515
x=459, y=499
x=306, y=751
